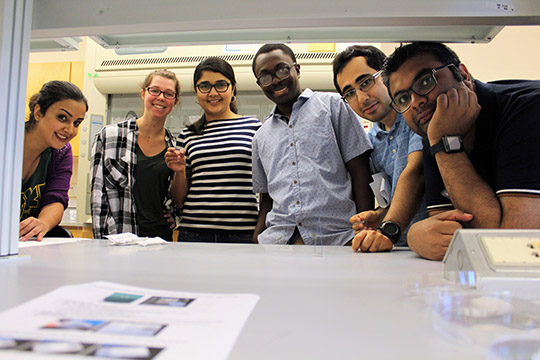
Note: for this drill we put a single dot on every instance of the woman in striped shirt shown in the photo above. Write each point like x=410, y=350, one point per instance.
x=214, y=158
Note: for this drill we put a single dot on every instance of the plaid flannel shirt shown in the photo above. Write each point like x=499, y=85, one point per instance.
x=113, y=168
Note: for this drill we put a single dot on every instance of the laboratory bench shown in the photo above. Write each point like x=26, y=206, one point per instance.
x=315, y=302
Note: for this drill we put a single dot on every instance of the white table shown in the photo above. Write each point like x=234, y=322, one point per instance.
x=316, y=302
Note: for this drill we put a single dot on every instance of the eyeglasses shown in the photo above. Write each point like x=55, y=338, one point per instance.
x=281, y=74
x=167, y=94
x=421, y=86
x=205, y=87
x=364, y=85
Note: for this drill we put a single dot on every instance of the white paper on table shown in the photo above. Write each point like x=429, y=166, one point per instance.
x=128, y=238
x=381, y=189
x=120, y=321
x=48, y=241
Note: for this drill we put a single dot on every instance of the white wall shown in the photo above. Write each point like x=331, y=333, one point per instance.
x=513, y=54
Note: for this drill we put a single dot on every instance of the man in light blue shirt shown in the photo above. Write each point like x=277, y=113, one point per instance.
x=397, y=150
x=310, y=159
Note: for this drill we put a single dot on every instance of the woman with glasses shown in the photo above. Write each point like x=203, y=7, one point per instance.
x=56, y=112
x=130, y=179
x=218, y=205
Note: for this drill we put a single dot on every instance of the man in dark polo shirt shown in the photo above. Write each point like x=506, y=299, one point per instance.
x=481, y=153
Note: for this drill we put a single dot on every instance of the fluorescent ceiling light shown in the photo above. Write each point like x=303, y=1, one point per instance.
x=55, y=44
x=468, y=34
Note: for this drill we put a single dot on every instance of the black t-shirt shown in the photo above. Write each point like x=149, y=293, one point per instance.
x=33, y=188
x=506, y=151
x=150, y=190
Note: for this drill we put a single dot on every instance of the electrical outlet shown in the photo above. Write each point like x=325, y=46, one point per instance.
x=72, y=215
x=515, y=251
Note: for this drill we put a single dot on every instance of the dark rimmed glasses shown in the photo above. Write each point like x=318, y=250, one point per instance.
x=364, y=85
x=167, y=94
x=205, y=87
x=421, y=86
x=281, y=73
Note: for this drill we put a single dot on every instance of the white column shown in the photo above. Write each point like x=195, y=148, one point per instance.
x=15, y=27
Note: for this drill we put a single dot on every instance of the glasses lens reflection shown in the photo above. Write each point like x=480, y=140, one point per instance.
x=364, y=85
x=422, y=86
x=281, y=74
x=206, y=87
x=156, y=92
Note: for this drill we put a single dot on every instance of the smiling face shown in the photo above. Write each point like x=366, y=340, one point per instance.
x=60, y=123
x=216, y=105
x=422, y=107
x=159, y=107
x=281, y=92
x=372, y=105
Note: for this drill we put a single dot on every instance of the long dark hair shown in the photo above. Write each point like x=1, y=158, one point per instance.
x=51, y=93
x=218, y=65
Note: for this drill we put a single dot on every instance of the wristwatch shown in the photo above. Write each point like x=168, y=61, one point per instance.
x=448, y=143
x=391, y=230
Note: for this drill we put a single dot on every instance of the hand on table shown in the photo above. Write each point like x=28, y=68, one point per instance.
x=31, y=227
x=371, y=241
x=366, y=220
x=430, y=237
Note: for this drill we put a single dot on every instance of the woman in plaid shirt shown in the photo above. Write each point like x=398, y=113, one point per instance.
x=130, y=180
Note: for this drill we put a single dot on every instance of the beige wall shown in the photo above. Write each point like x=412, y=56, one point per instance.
x=513, y=54
x=42, y=72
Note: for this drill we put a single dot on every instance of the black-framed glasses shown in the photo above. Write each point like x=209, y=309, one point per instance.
x=281, y=73
x=167, y=94
x=364, y=85
x=205, y=87
x=421, y=86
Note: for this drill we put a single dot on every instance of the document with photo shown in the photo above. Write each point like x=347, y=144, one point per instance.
x=109, y=320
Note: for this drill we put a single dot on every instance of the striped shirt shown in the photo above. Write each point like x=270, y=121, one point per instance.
x=218, y=170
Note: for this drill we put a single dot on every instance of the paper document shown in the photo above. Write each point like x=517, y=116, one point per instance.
x=381, y=189
x=114, y=321
x=47, y=241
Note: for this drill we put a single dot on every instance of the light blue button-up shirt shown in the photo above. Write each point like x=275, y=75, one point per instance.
x=391, y=149
x=300, y=163
x=390, y=154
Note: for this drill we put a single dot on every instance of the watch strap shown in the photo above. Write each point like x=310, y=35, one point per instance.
x=437, y=147
x=448, y=144
x=394, y=238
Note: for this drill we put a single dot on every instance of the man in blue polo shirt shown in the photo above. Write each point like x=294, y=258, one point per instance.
x=310, y=159
x=397, y=151
x=481, y=152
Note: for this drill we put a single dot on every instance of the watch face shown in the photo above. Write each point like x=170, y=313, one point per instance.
x=390, y=228
x=452, y=143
